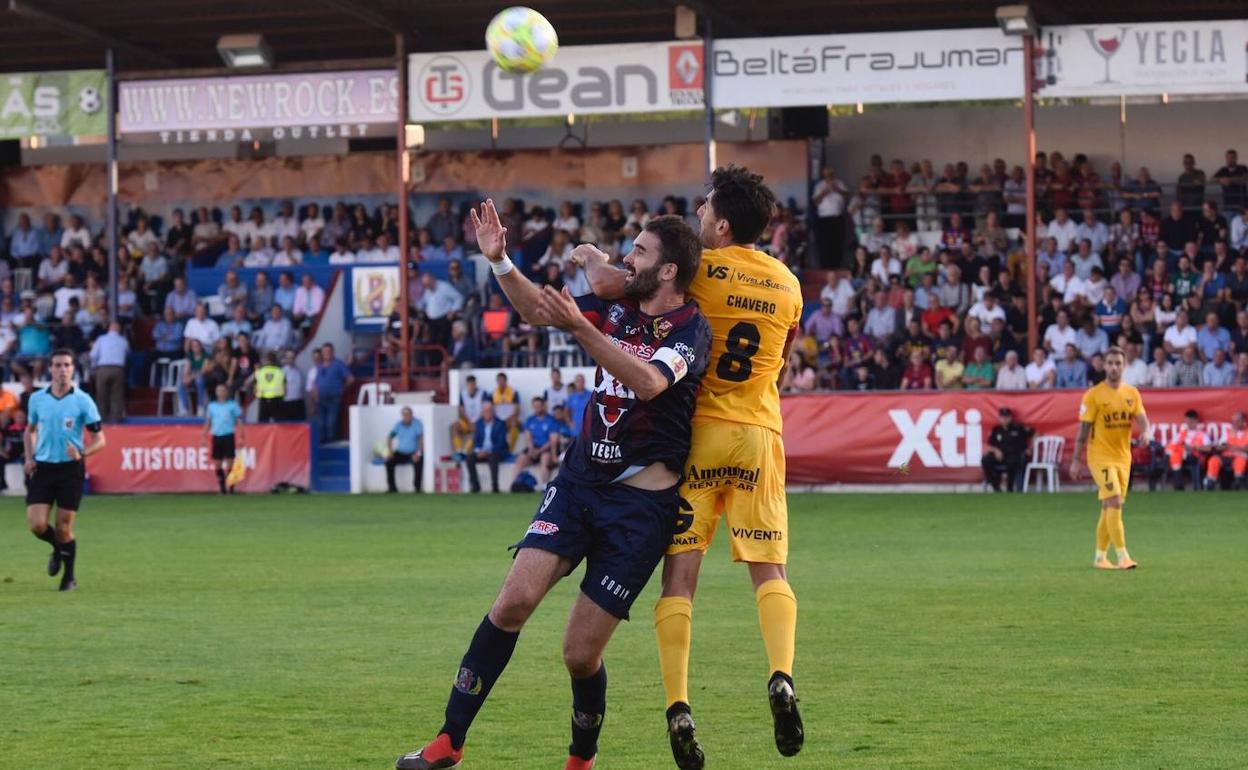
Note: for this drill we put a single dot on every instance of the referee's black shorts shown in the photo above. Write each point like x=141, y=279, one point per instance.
x=223, y=447
x=58, y=484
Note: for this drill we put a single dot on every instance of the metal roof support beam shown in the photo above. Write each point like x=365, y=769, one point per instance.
x=367, y=14
x=724, y=23
x=83, y=32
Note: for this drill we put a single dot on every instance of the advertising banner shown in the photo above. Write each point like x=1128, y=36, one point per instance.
x=53, y=104
x=585, y=80
x=939, y=437
x=278, y=106
x=177, y=458
x=812, y=70
x=374, y=294
x=1189, y=57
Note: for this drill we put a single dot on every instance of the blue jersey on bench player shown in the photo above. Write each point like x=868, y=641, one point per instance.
x=621, y=531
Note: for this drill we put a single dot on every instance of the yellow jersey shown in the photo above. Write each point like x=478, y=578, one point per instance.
x=1111, y=412
x=752, y=302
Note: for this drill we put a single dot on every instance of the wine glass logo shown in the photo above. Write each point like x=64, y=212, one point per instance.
x=1106, y=44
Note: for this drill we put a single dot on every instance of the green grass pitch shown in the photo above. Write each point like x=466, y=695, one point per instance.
x=935, y=631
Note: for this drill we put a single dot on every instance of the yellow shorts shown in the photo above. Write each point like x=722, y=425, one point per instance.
x=738, y=470
x=1111, y=479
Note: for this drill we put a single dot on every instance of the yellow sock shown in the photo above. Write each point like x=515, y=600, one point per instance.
x=1102, y=533
x=673, y=624
x=1117, y=532
x=777, y=616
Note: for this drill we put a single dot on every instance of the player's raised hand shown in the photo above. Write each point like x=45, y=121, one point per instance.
x=491, y=235
x=586, y=254
x=559, y=309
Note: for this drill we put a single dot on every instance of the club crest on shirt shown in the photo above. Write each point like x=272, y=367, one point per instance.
x=69, y=423
x=662, y=328
x=1130, y=402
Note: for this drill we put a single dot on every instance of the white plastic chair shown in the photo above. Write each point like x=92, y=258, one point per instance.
x=1046, y=456
x=170, y=381
x=374, y=393
x=158, y=371
x=561, y=350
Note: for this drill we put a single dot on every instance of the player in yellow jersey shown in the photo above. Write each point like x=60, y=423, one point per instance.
x=736, y=465
x=1106, y=415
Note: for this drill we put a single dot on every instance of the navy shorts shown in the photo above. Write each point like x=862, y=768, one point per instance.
x=621, y=532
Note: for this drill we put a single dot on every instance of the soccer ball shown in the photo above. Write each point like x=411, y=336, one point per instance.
x=521, y=40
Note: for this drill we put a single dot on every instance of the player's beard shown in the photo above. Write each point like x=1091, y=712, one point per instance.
x=643, y=285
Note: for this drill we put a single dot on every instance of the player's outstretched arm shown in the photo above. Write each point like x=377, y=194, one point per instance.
x=605, y=281
x=492, y=240
x=641, y=377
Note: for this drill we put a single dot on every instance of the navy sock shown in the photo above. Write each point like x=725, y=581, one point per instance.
x=589, y=706
x=69, y=553
x=481, y=667
x=221, y=479
x=48, y=535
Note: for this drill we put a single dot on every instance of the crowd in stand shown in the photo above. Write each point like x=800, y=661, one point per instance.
x=934, y=295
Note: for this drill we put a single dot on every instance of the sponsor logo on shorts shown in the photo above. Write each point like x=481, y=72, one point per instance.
x=540, y=527
x=467, y=682
x=732, y=475
x=615, y=589
x=686, y=540
x=749, y=533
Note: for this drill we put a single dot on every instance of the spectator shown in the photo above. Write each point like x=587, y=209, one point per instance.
x=1086, y=260
x=52, y=270
x=1211, y=228
x=50, y=234
x=284, y=294
x=1212, y=338
x=825, y=324
x=139, y=241
x=238, y=323
x=885, y=265
x=574, y=280
x=167, y=335
x=332, y=380
x=127, y=300
x=34, y=343
x=987, y=310
x=1218, y=373
x=182, y=301
x=506, y=401
x=1161, y=373
x=1180, y=336
x=277, y=332
x=406, y=444
x=233, y=256
x=980, y=374
x=450, y=249
x=541, y=440
x=258, y=300
x=567, y=221
x=463, y=347
x=68, y=336
x=442, y=224
x=385, y=251
x=293, y=407
x=233, y=292
x=489, y=445
x=578, y=399
x=1143, y=192
x=289, y=255
x=201, y=328
x=950, y=370
x=466, y=287
x=1048, y=254
x=1110, y=312
x=1090, y=341
x=1093, y=231
x=1041, y=372
x=1063, y=230
x=1239, y=337
x=206, y=232
x=439, y=305
x=309, y=300
x=76, y=234
x=918, y=375
x=24, y=243
x=108, y=362
x=1072, y=372
x=1188, y=371
x=1233, y=179
x=1241, y=369
x=284, y=225
x=62, y=296
x=798, y=376
x=341, y=254
x=1060, y=334
x=240, y=228
x=1239, y=230
x=1185, y=281
x=830, y=197
x=840, y=291
x=1135, y=373
x=260, y=255
x=1005, y=456
x=156, y=278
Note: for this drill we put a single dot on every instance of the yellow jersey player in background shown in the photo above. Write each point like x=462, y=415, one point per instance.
x=1106, y=416
x=736, y=466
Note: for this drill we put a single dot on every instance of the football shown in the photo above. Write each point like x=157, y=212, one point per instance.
x=521, y=40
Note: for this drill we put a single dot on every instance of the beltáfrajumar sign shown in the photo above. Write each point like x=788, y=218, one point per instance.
x=53, y=104
x=318, y=105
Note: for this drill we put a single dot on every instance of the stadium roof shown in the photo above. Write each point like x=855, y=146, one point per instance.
x=182, y=34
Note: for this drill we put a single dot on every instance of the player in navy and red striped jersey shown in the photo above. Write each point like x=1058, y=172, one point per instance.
x=615, y=503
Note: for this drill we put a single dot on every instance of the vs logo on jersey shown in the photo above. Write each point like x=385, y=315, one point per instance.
x=719, y=272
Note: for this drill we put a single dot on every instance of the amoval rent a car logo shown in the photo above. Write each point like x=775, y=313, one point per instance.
x=940, y=439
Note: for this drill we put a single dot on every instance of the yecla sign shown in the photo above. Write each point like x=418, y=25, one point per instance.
x=939, y=439
x=644, y=77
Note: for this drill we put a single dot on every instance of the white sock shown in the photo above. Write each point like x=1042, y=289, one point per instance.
x=1122, y=554
x=1101, y=555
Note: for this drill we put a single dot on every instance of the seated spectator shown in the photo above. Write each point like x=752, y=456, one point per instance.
x=309, y=299
x=1085, y=260
x=1093, y=231
x=1184, y=282
x=1188, y=370
x=1212, y=338
x=386, y=251
x=52, y=271
x=1072, y=372
x=936, y=316
x=241, y=228
x=289, y=255
x=76, y=234
x=1180, y=336
x=341, y=254
x=824, y=323
x=1091, y=341
x=233, y=256
x=284, y=225
x=443, y=223
x=34, y=343
x=276, y=333
x=447, y=250
x=206, y=232
x=489, y=445
x=1005, y=455
x=840, y=291
x=366, y=252
x=1041, y=372
x=1063, y=229
x=284, y=294
x=24, y=242
x=575, y=280
x=50, y=234
x=69, y=291
x=232, y=292
x=259, y=299
x=1110, y=311
x=69, y=336
x=918, y=375
x=1239, y=336
x=1241, y=369
x=463, y=347
x=799, y=376
x=167, y=335
x=980, y=374
x=919, y=265
x=885, y=265
x=127, y=300
x=314, y=255
x=312, y=225
x=201, y=328
x=567, y=221
x=1218, y=373
x=181, y=300
x=950, y=370
x=238, y=323
x=140, y=239
x=885, y=373
x=1160, y=372
x=260, y=255
x=551, y=276
x=987, y=310
x=155, y=277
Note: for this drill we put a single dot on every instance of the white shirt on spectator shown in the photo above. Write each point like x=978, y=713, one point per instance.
x=307, y=302
x=53, y=273
x=285, y=258
x=1180, y=339
x=138, y=242
x=1056, y=338
x=281, y=227
x=440, y=301
x=840, y=296
x=341, y=256
x=1097, y=233
x=206, y=331
x=1136, y=373
x=1011, y=379
x=1084, y=265
x=832, y=204
x=311, y=227
x=1162, y=376
x=985, y=315
x=1239, y=233
x=258, y=258
x=578, y=284
x=63, y=295
x=1094, y=291
x=569, y=224
x=8, y=336
x=246, y=231
x=274, y=335
x=1070, y=288
x=557, y=257
x=881, y=270
x=1036, y=374
x=80, y=237
x=1064, y=233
